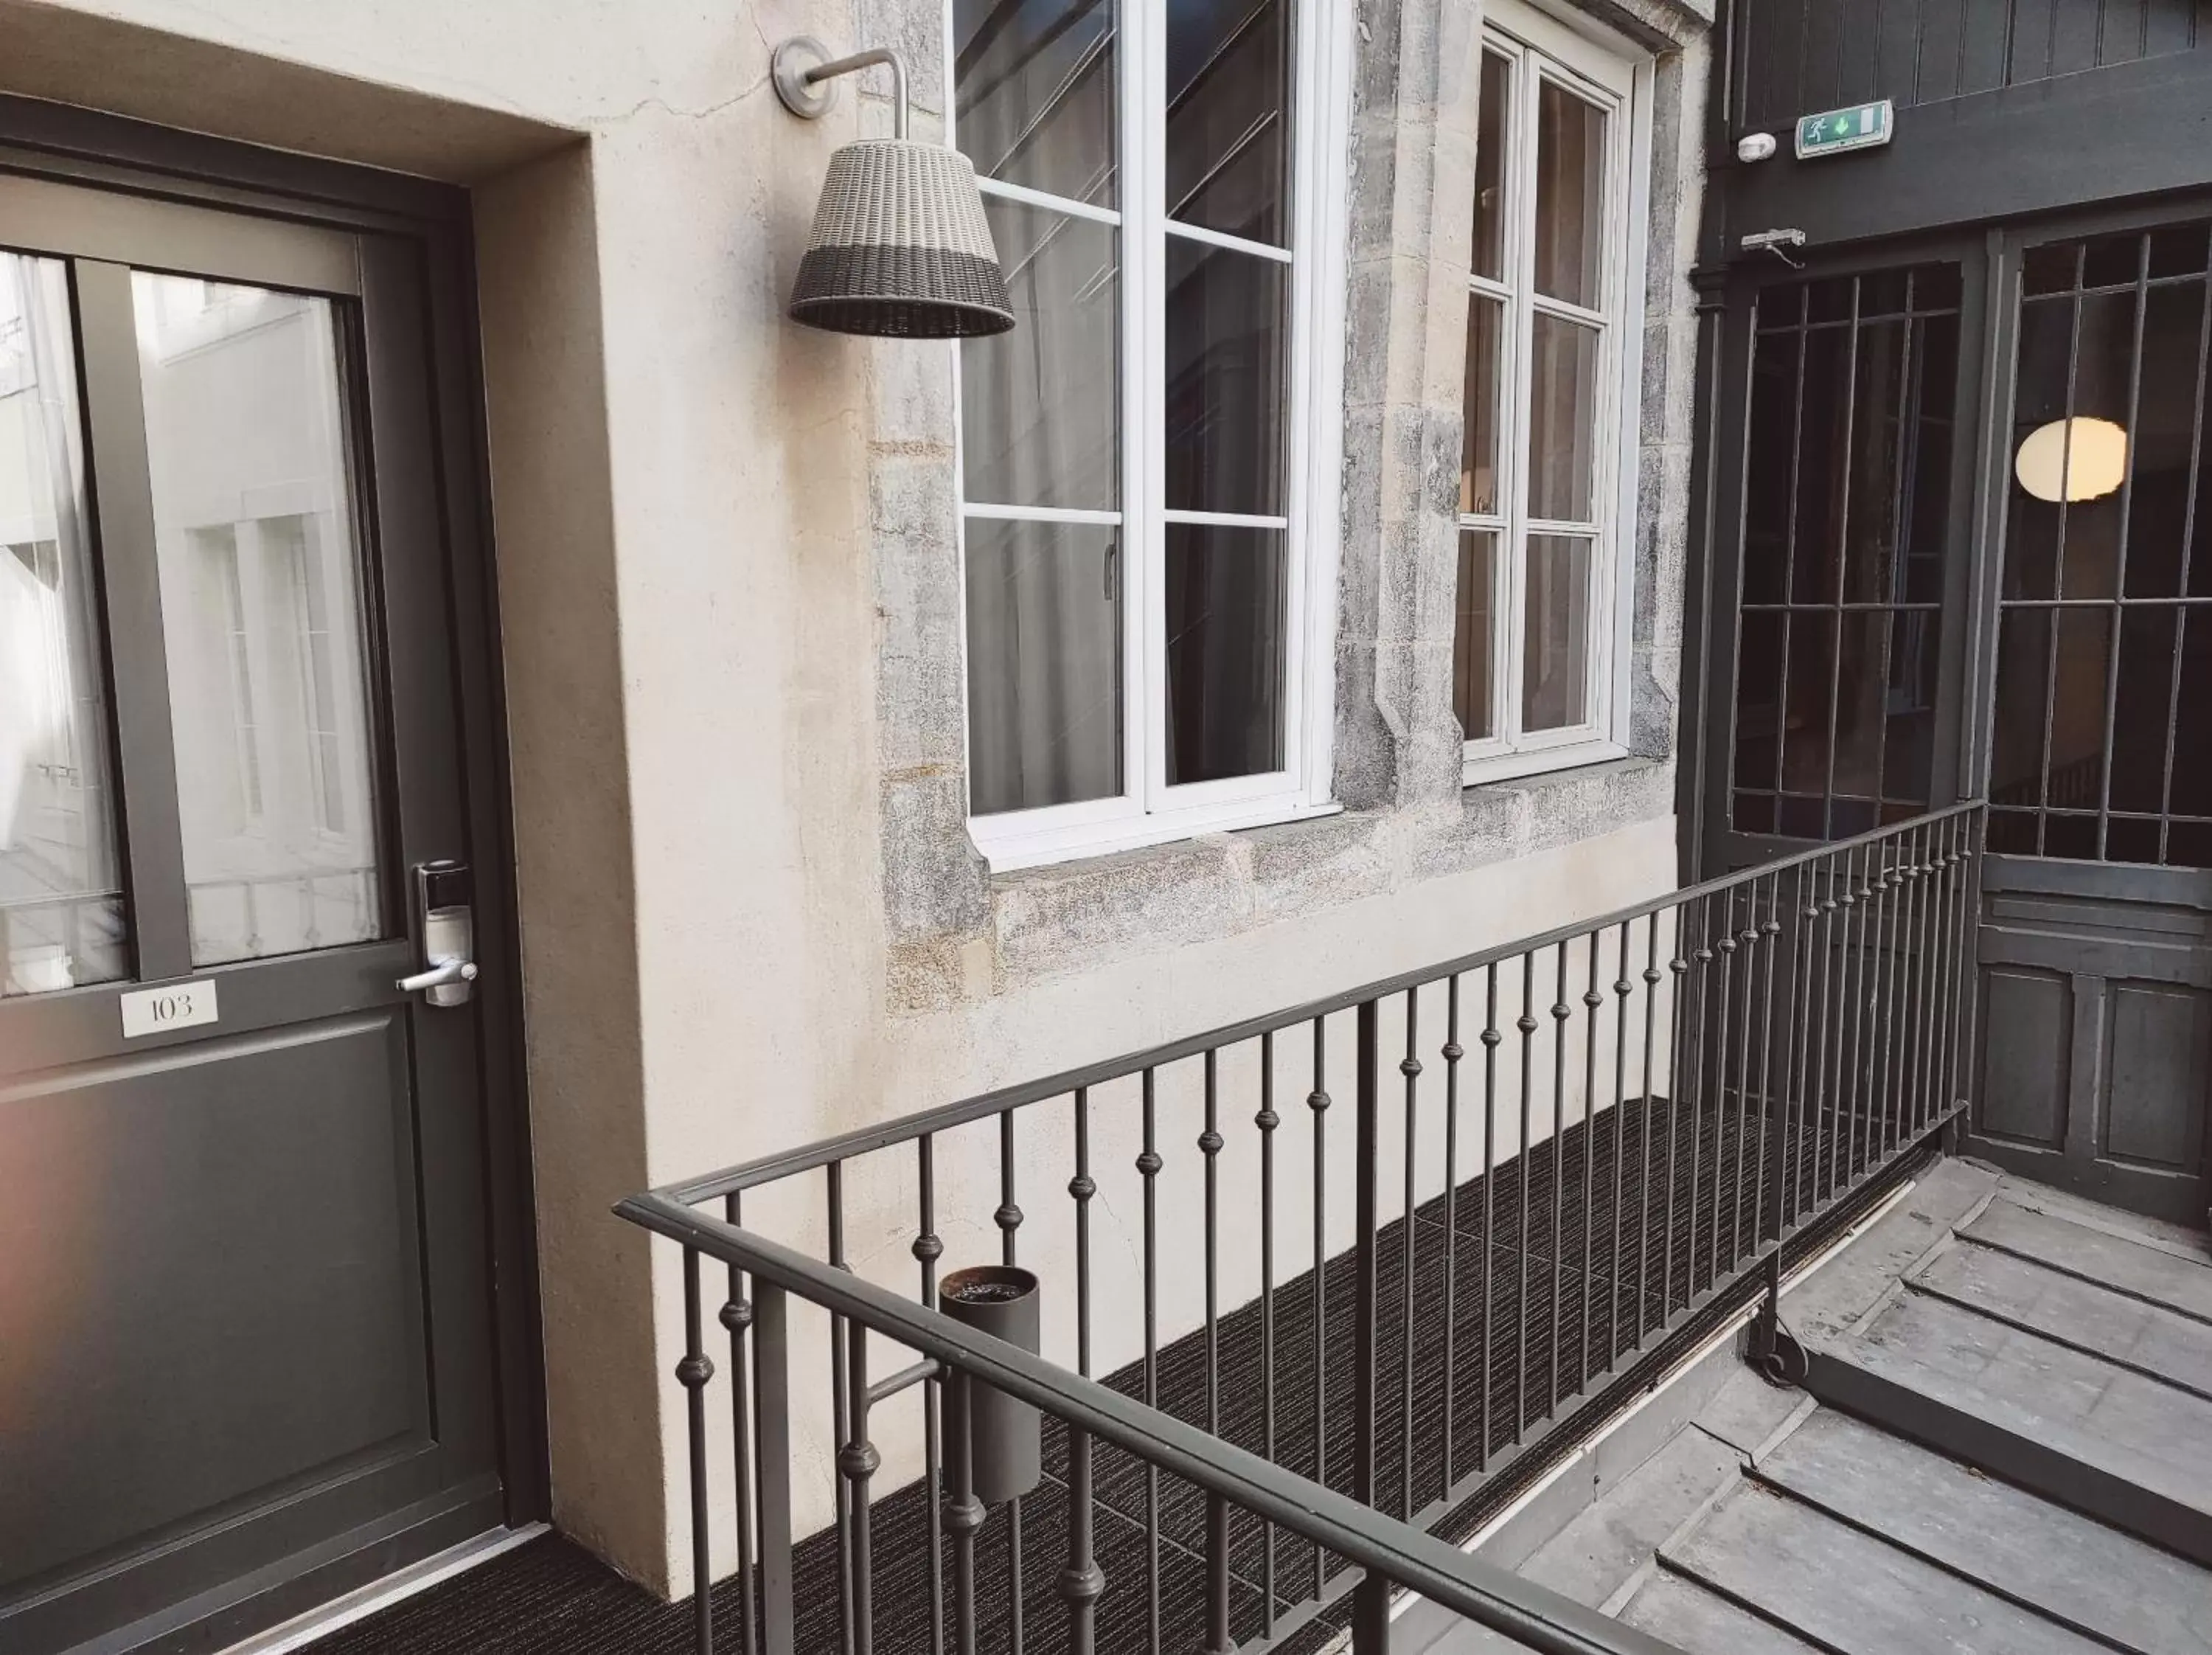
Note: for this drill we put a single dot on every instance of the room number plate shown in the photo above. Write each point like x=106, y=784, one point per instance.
x=178, y=1006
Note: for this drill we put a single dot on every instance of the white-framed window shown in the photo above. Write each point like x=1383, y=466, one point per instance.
x=1149, y=459
x=1555, y=302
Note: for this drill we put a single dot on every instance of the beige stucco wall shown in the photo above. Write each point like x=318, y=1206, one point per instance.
x=708, y=521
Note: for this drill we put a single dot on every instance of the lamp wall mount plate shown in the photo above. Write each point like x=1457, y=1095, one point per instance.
x=789, y=69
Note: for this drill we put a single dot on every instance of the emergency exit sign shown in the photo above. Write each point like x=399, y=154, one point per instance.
x=1834, y=131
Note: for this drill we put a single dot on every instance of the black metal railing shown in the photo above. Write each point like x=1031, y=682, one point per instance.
x=1637, y=1113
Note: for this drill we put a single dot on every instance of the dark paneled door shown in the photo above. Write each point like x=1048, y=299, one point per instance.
x=246, y=1339
x=2097, y=936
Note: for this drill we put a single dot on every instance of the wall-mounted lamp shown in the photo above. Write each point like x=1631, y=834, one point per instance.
x=900, y=247
x=2077, y=459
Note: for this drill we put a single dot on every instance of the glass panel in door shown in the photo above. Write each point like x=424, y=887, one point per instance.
x=62, y=915
x=262, y=611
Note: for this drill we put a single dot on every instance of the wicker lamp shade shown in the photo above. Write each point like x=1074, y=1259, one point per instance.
x=900, y=247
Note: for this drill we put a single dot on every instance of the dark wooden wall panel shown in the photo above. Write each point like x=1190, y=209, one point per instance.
x=1799, y=56
x=2024, y=1086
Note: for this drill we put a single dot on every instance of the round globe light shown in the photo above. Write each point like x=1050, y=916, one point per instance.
x=2077, y=459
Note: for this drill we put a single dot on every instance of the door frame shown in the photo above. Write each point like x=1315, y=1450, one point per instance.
x=430, y=224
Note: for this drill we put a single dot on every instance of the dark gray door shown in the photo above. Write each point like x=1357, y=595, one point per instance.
x=247, y=1335
x=2096, y=684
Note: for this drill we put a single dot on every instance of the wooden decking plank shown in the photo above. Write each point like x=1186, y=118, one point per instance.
x=1848, y=1591
x=2067, y=1567
x=2152, y=1273
x=1693, y=1620
x=2130, y=1332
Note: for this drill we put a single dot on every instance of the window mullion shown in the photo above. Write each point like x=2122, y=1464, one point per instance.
x=1520, y=266
x=1144, y=399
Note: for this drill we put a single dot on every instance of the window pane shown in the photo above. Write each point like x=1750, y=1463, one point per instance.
x=2076, y=778
x=1570, y=195
x=2044, y=354
x=1044, y=664
x=1226, y=379
x=262, y=611
x=1039, y=410
x=2023, y=683
x=1478, y=473
x=1870, y=494
x=2140, y=721
x=1490, y=167
x=1473, y=634
x=1225, y=601
x=1758, y=700
x=1035, y=103
x=1908, y=752
x=1562, y=420
x=61, y=904
x=1229, y=100
x=1767, y=466
x=1555, y=653
x=2165, y=419
x=1805, y=710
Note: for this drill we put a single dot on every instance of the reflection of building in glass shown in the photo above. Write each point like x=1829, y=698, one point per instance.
x=60, y=910
x=260, y=596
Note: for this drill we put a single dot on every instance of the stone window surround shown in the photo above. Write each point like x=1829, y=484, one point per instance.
x=956, y=932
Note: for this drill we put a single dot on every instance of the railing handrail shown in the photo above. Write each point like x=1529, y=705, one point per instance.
x=769, y=1169
x=1468, y=1586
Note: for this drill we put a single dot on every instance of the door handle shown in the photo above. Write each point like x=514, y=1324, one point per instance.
x=445, y=923
x=445, y=971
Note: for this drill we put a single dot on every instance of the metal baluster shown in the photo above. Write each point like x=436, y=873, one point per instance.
x=1926, y=890
x=1370, y=1615
x=1723, y=1030
x=1652, y=978
x=1886, y=963
x=772, y=1453
x=1700, y=1050
x=1410, y=1067
x=1797, y=1047
x=1592, y=999
x=1903, y=1048
x=1527, y=1024
x=692, y=1372
x=1008, y=1218
x=963, y=1513
x=1317, y=1106
x=1560, y=1013
x=1770, y=931
x=841, y=1408
x=1266, y=1120
x=1968, y=1001
x=1678, y=965
x=1867, y=1001
x=1368, y=1086
x=857, y=1462
x=1845, y=1004
x=1148, y=1168
x=737, y=1317
x=1749, y=954
x=928, y=1247
x=1453, y=1053
x=1082, y=1583
x=1621, y=990
x=1490, y=1040
x=1830, y=868
x=1217, y=1508
x=1938, y=906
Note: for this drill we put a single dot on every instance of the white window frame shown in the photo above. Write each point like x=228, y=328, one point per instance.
x=1603, y=67
x=1149, y=811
